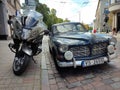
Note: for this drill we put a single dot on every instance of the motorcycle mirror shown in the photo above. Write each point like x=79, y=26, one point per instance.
x=46, y=32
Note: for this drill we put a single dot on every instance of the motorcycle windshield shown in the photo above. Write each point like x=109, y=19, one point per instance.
x=32, y=19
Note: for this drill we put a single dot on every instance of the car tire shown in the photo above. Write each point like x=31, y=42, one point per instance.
x=50, y=50
x=53, y=53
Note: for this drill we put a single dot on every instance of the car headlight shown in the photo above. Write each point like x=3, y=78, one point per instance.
x=113, y=41
x=68, y=55
x=110, y=49
x=63, y=48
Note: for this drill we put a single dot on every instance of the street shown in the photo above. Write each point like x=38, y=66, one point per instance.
x=45, y=76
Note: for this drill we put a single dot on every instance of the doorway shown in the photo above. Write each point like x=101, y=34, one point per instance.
x=118, y=22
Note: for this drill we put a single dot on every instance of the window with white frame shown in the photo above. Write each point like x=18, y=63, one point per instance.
x=112, y=1
x=117, y=1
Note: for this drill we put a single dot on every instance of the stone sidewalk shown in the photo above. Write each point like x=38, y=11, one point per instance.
x=101, y=77
x=30, y=80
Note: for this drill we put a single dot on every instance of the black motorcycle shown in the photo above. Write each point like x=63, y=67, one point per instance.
x=27, y=38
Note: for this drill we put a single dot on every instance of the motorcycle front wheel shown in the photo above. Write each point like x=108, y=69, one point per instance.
x=20, y=62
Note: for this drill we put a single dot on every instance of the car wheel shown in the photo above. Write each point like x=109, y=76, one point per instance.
x=60, y=69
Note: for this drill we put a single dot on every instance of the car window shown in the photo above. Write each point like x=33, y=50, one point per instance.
x=80, y=28
x=69, y=27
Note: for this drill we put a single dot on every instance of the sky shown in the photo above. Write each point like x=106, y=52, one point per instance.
x=74, y=10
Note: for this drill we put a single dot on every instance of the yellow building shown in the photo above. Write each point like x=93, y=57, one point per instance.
x=100, y=15
x=114, y=7
x=7, y=7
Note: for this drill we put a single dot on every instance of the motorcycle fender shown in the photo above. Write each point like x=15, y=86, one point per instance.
x=27, y=50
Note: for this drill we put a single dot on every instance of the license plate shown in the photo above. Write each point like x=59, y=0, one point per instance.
x=93, y=62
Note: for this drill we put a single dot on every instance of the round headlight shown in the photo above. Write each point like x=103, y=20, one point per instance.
x=68, y=55
x=111, y=49
x=63, y=48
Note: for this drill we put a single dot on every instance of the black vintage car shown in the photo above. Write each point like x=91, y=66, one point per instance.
x=72, y=45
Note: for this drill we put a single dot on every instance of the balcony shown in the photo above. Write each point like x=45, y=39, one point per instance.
x=114, y=5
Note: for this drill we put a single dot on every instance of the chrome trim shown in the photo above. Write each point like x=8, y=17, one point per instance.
x=75, y=63
x=80, y=51
x=99, y=48
x=27, y=51
x=112, y=56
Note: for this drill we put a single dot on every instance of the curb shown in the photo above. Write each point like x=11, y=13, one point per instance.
x=44, y=70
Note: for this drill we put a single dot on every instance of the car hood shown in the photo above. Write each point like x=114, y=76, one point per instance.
x=72, y=38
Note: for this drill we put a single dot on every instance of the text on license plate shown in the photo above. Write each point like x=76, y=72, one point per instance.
x=93, y=62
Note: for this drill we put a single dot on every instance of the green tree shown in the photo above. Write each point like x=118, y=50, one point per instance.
x=49, y=16
x=66, y=20
x=90, y=28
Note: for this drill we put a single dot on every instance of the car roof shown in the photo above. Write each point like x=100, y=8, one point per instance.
x=66, y=23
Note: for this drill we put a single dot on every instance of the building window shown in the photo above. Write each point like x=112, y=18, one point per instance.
x=117, y=1
x=112, y=1
x=106, y=11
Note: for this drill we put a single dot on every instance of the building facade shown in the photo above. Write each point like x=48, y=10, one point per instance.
x=114, y=8
x=101, y=12
x=7, y=8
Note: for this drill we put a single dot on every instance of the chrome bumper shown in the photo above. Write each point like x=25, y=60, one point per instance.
x=112, y=56
x=75, y=63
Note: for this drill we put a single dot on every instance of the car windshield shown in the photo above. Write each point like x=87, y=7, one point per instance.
x=77, y=27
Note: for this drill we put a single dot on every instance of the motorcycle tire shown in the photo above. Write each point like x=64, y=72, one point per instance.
x=20, y=63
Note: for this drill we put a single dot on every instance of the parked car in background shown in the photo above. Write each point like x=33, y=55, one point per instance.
x=72, y=45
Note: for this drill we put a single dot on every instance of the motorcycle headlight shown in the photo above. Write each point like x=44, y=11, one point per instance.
x=63, y=48
x=25, y=34
x=113, y=41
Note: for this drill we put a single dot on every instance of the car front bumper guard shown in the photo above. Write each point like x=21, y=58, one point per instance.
x=75, y=63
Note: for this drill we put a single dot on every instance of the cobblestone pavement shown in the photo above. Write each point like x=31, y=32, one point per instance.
x=45, y=76
x=30, y=80
x=101, y=77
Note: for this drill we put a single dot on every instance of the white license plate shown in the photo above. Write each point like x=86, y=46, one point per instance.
x=93, y=62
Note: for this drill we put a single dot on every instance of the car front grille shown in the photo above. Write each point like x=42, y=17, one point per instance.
x=99, y=49
x=80, y=51
x=84, y=51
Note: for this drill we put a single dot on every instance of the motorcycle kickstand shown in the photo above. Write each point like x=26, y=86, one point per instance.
x=34, y=60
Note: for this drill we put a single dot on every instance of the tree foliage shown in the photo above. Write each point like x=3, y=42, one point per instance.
x=50, y=17
x=88, y=27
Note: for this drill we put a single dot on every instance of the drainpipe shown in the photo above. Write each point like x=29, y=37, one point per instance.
x=15, y=4
x=0, y=1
